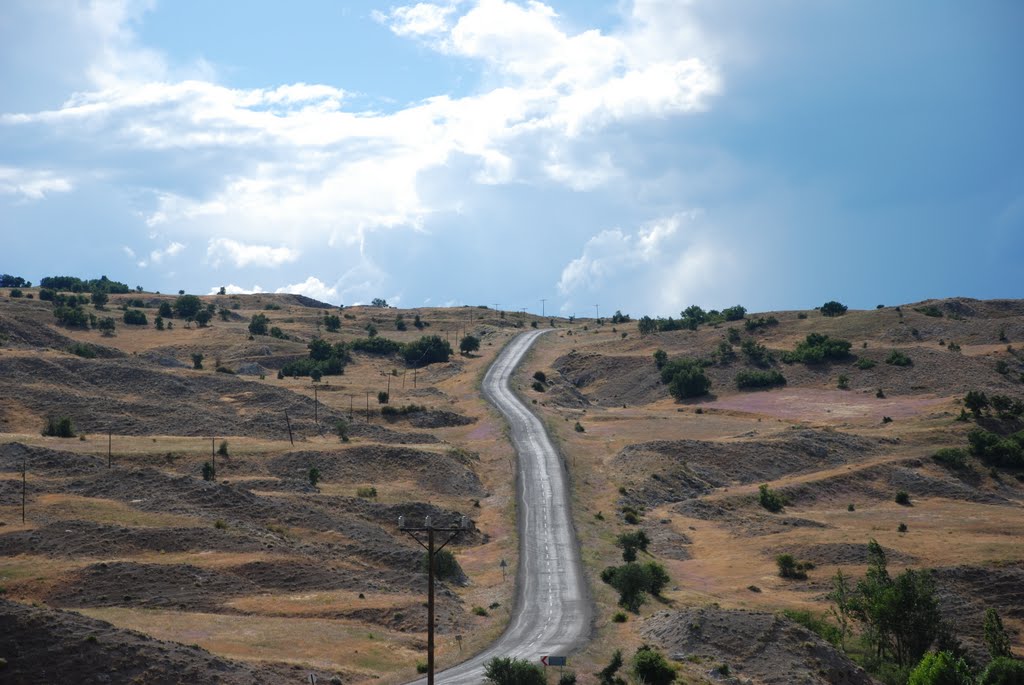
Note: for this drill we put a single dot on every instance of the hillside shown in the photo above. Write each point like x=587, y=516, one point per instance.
x=269, y=573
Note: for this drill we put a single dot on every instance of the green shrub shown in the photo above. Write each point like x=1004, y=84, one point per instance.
x=630, y=543
x=902, y=528
x=997, y=451
x=222, y=449
x=735, y=313
x=71, y=316
x=843, y=382
x=197, y=361
x=421, y=666
x=375, y=345
x=314, y=476
x=341, y=429
x=107, y=326
x=752, y=325
x=366, y=492
x=508, y=671
x=620, y=617
x=771, y=500
x=660, y=358
x=863, y=363
x=445, y=565
x=383, y=397
x=929, y=310
x=429, y=349
x=60, y=427
x=817, y=348
x=897, y=358
x=16, y=293
x=538, y=386
x=479, y=611
x=685, y=378
x=83, y=350
x=1003, y=671
x=208, y=473
x=651, y=667
x=951, y=457
x=996, y=638
x=833, y=308
x=902, y=497
x=579, y=427
x=816, y=624
x=633, y=581
x=469, y=343
x=756, y=353
x=941, y=668
x=759, y=379
x=540, y=376
x=258, y=324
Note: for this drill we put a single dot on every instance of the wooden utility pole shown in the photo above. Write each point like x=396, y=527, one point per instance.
x=542, y=301
x=367, y=406
x=289, y=422
x=429, y=528
x=110, y=440
x=213, y=458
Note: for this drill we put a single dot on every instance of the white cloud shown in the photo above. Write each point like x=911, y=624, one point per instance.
x=666, y=263
x=243, y=255
x=128, y=251
x=294, y=150
x=233, y=289
x=32, y=184
x=313, y=287
x=173, y=249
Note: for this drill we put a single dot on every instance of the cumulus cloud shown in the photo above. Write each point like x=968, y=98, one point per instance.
x=233, y=289
x=299, y=150
x=666, y=263
x=243, y=255
x=172, y=249
x=32, y=184
x=312, y=287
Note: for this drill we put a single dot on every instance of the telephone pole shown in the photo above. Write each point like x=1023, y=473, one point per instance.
x=596, y=314
x=542, y=301
x=430, y=529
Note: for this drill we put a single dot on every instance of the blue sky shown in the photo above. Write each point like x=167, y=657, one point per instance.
x=640, y=155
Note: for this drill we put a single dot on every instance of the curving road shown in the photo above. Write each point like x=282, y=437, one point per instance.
x=552, y=612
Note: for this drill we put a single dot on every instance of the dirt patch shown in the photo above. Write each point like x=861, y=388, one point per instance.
x=667, y=543
x=610, y=380
x=433, y=418
x=759, y=646
x=45, y=646
x=815, y=404
x=838, y=554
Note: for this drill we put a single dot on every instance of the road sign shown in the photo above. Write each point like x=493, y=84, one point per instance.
x=553, y=660
x=312, y=679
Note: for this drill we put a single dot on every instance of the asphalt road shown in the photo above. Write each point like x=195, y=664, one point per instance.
x=553, y=611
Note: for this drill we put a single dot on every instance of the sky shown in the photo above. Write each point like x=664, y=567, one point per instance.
x=571, y=157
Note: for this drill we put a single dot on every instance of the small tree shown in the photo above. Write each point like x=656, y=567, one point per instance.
x=222, y=450
x=316, y=374
x=314, y=476
x=976, y=401
x=197, y=361
x=165, y=310
x=382, y=397
x=445, y=565
x=207, y=471
x=660, y=358
x=341, y=428
x=469, y=343
x=508, y=671
x=107, y=326
x=187, y=306
x=100, y=298
x=59, y=427
x=159, y=323
x=996, y=639
x=651, y=667
x=258, y=324
x=770, y=500
x=833, y=308
x=941, y=668
x=203, y=317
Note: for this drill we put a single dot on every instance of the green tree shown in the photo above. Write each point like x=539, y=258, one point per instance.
x=100, y=298
x=469, y=343
x=197, y=361
x=996, y=639
x=59, y=427
x=314, y=476
x=685, y=378
x=134, y=317
x=258, y=324
x=941, y=668
x=379, y=302
x=332, y=323
x=208, y=473
x=977, y=402
x=1003, y=671
x=445, y=565
x=107, y=326
x=165, y=310
x=660, y=358
x=509, y=671
x=187, y=306
x=222, y=449
x=630, y=543
x=203, y=317
x=651, y=667
x=429, y=349
x=734, y=313
x=833, y=308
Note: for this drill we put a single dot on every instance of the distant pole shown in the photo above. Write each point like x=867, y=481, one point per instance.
x=389, y=386
x=367, y=406
x=596, y=314
x=351, y=397
x=542, y=311
x=213, y=456
x=289, y=422
x=110, y=440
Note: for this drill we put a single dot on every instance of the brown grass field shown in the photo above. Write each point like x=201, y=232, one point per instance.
x=268, y=572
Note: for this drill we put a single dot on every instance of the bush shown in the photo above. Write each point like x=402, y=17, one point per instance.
x=685, y=378
x=817, y=348
x=341, y=429
x=540, y=376
x=579, y=427
x=941, y=668
x=630, y=543
x=165, y=310
x=843, y=382
x=660, y=358
x=106, y=326
x=538, y=386
x=59, y=427
x=759, y=379
x=996, y=451
x=479, y=611
x=929, y=310
x=375, y=345
x=633, y=580
x=951, y=457
x=816, y=624
x=258, y=324
x=902, y=528
x=897, y=358
x=429, y=349
x=508, y=671
x=197, y=361
x=996, y=639
x=757, y=354
x=1003, y=671
x=366, y=492
x=71, y=316
x=208, y=473
x=382, y=397
x=332, y=323
x=445, y=565
x=833, y=308
x=789, y=567
x=620, y=617
x=771, y=500
x=651, y=667
x=863, y=363
x=133, y=317
x=902, y=497
x=16, y=293
x=186, y=306
x=314, y=476
x=752, y=325
x=46, y=294
x=469, y=343
x=83, y=350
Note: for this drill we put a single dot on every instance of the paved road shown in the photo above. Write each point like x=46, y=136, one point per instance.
x=552, y=611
